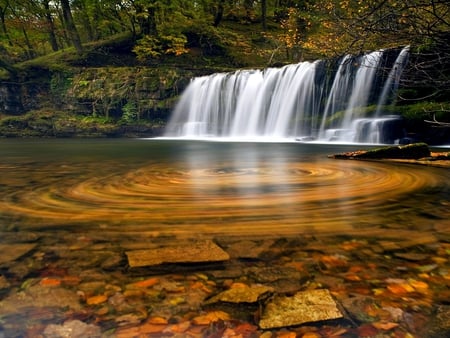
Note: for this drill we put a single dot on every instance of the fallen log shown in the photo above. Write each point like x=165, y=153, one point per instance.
x=410, y=151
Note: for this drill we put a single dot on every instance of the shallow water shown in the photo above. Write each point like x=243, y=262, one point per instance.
x=75, y=206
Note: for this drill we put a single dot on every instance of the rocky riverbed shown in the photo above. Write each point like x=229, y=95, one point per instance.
x=376, y=283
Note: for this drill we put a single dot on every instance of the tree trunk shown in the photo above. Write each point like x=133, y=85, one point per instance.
x=70, y=26
x=51, y=26
x=3, y=24
x=264, y=14
x=30, y=50
x=219, y=14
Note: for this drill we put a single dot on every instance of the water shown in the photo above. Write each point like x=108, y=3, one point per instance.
x=71, y=209
x=304, y=101
x=205, y=187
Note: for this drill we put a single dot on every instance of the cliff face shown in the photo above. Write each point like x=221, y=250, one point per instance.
x=115, y=101
x=11, y=98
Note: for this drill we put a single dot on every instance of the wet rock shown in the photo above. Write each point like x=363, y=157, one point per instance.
x=11, y=252
x=412, y=256
x=357, y=307
x=4, y=284
x=272, y=274
x=72, y=329
x=248, y=249
x=286, y=279
x=40, y=296
x=189, y=252
x=113, y=262
x=303, y=307
x=248, y=294
x=440, y=324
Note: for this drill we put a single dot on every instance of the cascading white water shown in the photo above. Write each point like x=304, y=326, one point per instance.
x=292, y=102
x=391, y=85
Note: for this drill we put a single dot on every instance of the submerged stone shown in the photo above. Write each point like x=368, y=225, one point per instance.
x=190, y=252
x=303, y=307
x=249, y=294
x=40, y=296
x=72, y=329
x=11, y=252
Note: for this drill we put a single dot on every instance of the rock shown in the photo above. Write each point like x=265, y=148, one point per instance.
x=357, y=307
x=303, y=307
x=272, y=274
x=242, y=294
x=189, y=252
x=72, y=329
x=440, y=325
x=11, y=252
x=40, y=296
x=410, y=151
x=4, y=284
x=248, y=249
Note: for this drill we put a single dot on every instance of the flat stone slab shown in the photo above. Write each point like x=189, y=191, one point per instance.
x=303, y=307
x=11, y=252
x=184, y=252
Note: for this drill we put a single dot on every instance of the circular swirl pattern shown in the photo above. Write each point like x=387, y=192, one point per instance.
x=219, y=197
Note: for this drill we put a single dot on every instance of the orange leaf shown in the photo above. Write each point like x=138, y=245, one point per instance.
x=157, y=320
x=180, y=327
x=94, y=300
x=311, y=335
x=245, y=329
x=385, y=325
x=50, y=282
x=210, y=317
x=146, y=283
x=400, y=289
x=352, y=277
x=238, y=285
x=151, y=328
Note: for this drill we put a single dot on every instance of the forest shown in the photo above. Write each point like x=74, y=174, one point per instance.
x=66, y=65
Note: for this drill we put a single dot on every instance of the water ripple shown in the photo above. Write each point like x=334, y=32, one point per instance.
x=288, y=197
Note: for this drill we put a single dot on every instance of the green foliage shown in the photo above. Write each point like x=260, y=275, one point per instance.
x=130, y=113
x=60, y=82
x=153, y=47
x=426, y=110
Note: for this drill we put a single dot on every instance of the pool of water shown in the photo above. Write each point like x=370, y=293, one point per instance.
x=205, y=188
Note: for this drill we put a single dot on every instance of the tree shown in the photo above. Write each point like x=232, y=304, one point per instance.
x=50, y=25
x=70, y=26
x=354, y=26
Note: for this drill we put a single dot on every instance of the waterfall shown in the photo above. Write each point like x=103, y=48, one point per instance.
x=303, y=101
x=391, y=85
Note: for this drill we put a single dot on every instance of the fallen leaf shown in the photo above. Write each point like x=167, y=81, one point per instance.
x=151, y=328
x=367, y=330
x=210, y=317
x=178, y=328
x=157, y=320
x=146, y=283
x=238, y=285
x=311, y=335
x=386, y=326
x=419, y=286
x=94, y=300
x=50, y=282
